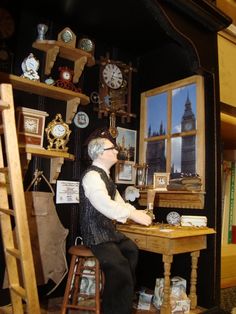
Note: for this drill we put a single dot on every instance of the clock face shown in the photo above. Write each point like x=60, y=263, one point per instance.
x=66, y=75
x=188, y=126
x=86, y=44
x=31, y=125
x=112, y=76
x=58, y=130
x=30, y=63
x=173, y=218
x=66, y=36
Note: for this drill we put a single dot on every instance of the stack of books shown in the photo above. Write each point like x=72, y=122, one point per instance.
x=188, y=183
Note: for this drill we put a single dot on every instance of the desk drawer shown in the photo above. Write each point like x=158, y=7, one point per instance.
x=140, y=240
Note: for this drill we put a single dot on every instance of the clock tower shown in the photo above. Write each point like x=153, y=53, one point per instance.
x=188, y=149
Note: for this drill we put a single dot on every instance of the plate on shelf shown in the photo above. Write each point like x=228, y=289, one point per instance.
x=81, y=119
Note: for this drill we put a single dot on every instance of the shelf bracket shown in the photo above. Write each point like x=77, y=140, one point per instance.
x=78, y=68
x=71, y=109
x=55, y=168
x=25, y=160
x=51, y=56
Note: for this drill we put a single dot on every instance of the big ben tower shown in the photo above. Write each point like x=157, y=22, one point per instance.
x=188, y=149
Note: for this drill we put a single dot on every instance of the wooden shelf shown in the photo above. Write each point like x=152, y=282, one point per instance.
x=57, y=159
x=55, y=48
x=73, y=99
x=174, y=199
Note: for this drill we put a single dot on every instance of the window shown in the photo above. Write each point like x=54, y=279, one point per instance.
x=172, y=129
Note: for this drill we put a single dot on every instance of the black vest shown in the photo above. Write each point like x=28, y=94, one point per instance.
x=94, y=226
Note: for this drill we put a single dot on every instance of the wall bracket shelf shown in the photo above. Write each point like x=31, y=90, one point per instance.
x=73, y=99
x=57, y=159
x=55, y=48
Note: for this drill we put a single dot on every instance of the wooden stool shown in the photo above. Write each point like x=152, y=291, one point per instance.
x=83, y=263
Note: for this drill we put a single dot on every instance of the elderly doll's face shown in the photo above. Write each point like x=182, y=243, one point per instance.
x=110, y=153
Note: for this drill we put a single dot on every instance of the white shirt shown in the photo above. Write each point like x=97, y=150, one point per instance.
x=96, y=191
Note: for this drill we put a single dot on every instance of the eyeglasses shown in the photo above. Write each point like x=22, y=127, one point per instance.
x=110, y=148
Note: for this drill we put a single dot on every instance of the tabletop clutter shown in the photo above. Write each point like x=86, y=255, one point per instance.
x=180, y=303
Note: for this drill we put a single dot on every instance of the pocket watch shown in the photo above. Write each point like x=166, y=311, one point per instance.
x=58, y=133
x=112, y=75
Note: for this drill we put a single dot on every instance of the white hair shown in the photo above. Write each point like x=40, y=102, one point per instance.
x=96, y=147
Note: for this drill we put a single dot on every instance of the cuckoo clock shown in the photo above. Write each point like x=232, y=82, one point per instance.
x=114, y=95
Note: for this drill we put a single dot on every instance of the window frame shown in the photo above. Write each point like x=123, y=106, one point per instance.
x=199, y=130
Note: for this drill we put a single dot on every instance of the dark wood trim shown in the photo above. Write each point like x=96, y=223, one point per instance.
x=204, y=12
x=225, y=108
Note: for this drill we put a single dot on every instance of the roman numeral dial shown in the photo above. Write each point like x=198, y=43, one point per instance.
x=112, y=76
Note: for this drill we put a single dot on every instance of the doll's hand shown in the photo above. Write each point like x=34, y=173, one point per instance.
x=140, y=217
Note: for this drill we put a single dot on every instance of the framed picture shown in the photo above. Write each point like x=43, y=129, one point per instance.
x=126, y=141
x=125, y=172
x=160, y=180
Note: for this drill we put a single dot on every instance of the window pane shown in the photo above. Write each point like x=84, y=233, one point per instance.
x=156, y=115
x=184, y=108
x=155, y=158
x=188, y=154
x=183, y=158
x=176, y=144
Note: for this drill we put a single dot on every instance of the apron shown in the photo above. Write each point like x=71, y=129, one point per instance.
x=47, y=234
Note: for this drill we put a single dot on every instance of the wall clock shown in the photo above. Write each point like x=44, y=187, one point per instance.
x=112, y=76
x=30, y=126
x=58, y=133
x=114, y=95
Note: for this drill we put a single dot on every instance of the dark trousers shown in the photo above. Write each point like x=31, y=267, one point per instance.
x=118, y=262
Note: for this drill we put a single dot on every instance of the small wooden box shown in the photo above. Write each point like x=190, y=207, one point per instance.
x=30, y=126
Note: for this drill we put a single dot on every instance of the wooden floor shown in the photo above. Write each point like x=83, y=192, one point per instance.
x=53, y=306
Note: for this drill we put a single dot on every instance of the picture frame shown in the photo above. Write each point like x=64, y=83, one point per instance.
x=161, y=180
x=125, y=172
x=127, y=143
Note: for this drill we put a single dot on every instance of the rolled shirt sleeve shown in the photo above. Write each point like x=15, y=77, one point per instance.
x=96, y=191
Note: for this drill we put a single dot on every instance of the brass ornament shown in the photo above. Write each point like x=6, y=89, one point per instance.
x=58, y=133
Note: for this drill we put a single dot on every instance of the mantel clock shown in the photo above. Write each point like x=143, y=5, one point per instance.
x=30, y=126
x=58, y=133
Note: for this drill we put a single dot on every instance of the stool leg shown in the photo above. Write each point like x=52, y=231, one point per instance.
x=68, y=285
x=77, y=280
